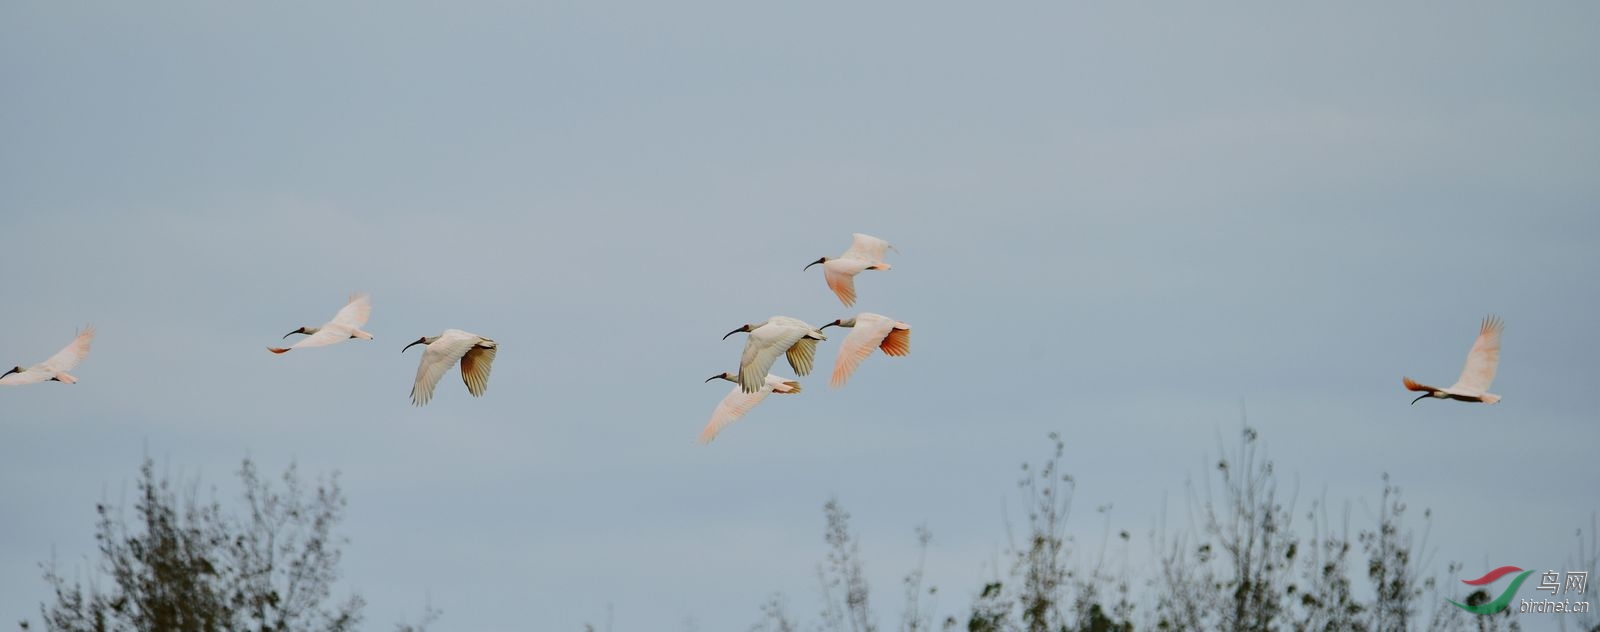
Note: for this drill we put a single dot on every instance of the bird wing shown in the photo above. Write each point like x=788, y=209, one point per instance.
x=843, y=285
x=802, y=354
x=1483, y=360
x=69, y=357
x=354, y=314
x=761, y=349
x=475, y=367
x=732, y=407
x=1413, y=385
x=436, y=359
x=866, y=247
x=34, y=375
x=898, y=342
x=869, y=332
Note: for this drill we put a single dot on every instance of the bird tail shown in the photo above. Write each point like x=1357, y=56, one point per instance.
x=1490, y=398
x=361, y=334
x=65, y=378
x=879, y=266
x=278, y=349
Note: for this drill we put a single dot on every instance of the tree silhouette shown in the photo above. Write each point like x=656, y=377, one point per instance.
x=186, y=565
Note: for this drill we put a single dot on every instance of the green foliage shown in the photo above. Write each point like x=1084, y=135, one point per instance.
x=185, y=565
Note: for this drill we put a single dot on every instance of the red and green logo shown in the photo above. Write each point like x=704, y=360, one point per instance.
x=1504, y=599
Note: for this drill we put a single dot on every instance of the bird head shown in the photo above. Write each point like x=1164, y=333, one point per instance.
x=820, y=260
x=303, y=330
x=425, y=340
x=726, y=376
x=843, y=322
x=745, y=329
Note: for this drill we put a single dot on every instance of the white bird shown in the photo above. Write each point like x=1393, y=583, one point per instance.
x=865, y=253
x=738, y=402
x=475, y=352
x=777, y=335
x=871, y=331
x=55, y=369
x=345, y=325
x=1482, y=362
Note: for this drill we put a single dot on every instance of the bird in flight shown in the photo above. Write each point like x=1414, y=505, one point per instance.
x=55, y=369
x=345, y=325
x=738, y=402
x=475, y=352
x=865, y=253
x=870, y=331
x=1482, y=361
x=791, y=337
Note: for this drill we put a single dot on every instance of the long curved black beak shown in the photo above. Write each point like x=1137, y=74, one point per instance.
x=290, y=334
x=1420, y=397
x=418, y=342
x=725, y=336
x=808, y=266
x=714, y=377
x=13, y=370
x=832, y=324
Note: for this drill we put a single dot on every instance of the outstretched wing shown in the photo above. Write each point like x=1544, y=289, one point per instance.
x=1483, y=360
x=801, y=355
x=898, y=342
x=843, y=285
x=437, y=359
x=354, y=314
x=1413, y=385
x=869, y=332
x=475, y=367
x=69, y=357
x=732, y=407
x=867, y=247
x=761, y=349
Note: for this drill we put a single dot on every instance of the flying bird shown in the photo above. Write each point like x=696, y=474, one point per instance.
x=791, y=337
x=871, y=331
x=345, y=325
x=738, y=402
x=55, y=369
x=475, y=352
x=865, y=253
x=1482, y=361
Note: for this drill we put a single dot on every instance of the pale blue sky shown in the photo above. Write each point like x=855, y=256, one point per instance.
x=1116, y=222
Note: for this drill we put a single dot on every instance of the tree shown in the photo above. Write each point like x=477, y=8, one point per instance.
x=186, y=565
x=1238, y=577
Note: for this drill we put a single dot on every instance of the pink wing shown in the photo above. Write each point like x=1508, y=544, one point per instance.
x=738, y=402
x=1483, y=360
x=69, y=357
x=870, y=331
x=843, y=285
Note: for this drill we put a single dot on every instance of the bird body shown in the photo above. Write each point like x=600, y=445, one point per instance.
x=779, y=335
x=474, y=352
x=738, y=402
x=345, y=325
x=54, y=369
x=1482, y=363
x=865, y=253
x=868, y=331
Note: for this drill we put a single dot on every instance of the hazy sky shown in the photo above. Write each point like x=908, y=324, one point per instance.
x=1115, y=222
